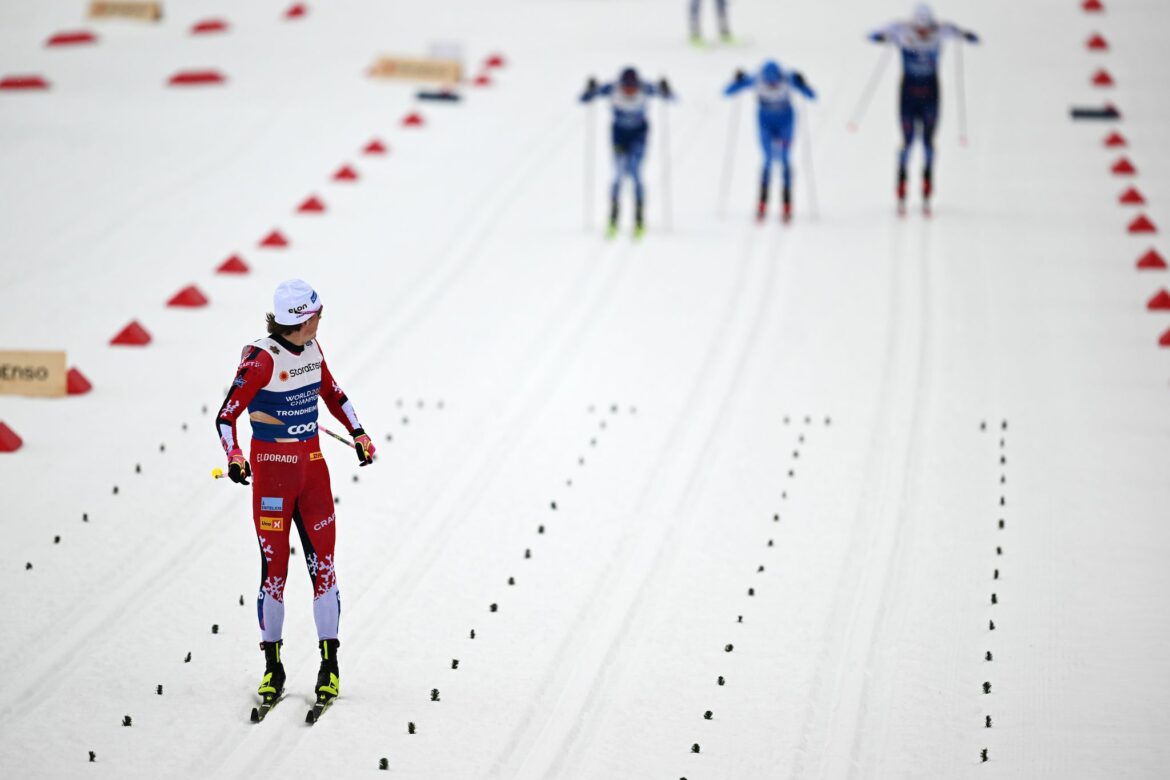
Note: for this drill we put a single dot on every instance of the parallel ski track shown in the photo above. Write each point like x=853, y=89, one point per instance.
x=871, y=573
x=551, y=733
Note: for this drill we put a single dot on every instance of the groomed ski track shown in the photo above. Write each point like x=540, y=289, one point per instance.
x=751, y=470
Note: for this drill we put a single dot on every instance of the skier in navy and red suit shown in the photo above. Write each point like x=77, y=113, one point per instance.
x=777, y=119
x=279, y=380
x=629, y=96
x=920, y=40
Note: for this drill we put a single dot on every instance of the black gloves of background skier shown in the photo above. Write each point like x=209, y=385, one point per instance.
x=363, y=447
x=664, y=88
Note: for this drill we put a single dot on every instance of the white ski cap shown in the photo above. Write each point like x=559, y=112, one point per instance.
x=294, y=302
x=923, y=16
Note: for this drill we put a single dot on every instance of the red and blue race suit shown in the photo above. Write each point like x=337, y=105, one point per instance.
x=279, y=384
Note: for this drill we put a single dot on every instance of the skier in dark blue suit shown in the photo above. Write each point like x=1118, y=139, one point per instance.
x=777, y=120
x=629, y=96
x=920, y=41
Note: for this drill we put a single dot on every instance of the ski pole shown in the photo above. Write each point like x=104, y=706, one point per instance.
x=728, y=158
x=962, y=95
x=666, y=163
x=217, y=472
x=590, y=156
x=867, y=95
x=806, y=144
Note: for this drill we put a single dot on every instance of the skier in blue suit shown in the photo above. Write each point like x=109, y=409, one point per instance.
x=774, y=87
x=920, y=41
x=629, y=96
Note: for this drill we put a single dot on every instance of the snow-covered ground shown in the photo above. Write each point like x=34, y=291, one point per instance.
x=748, y=469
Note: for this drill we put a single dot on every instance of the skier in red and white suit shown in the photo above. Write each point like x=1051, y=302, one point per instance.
x=279, y=380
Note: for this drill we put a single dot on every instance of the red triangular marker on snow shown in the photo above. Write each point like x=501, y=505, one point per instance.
x=190, y=297
x=23, y=82
x=311, y=205
x=196, y=78
x=209, y=26
x=374, y=147
x=1097, y=43
x=1132, y=197
x=1142, y=225
x=345, y=173
x=1164, y=341
x=71, y=38
x=1151, y=261
x=1160, y=301
x=1123, y=167
x=413, y=119
x=482, y=80
x=133, y=335
x=76, y=383
x=296, y=11
x=494, y=61
x=233, y=265
x=9, y=441
x=274, y=240
x=1115, y=139
x=1093, y=6
x=1102, y=78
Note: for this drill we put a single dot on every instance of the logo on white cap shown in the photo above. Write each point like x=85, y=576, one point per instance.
x=294, y=302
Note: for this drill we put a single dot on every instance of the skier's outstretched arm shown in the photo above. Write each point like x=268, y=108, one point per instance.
x=662, y=89
x=739, y=82
x=949, y=30
x=884, y=35
x=802, y=86
x=593, y=90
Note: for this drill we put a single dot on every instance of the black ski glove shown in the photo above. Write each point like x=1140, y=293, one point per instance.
x=238, y=468
x=664, y=88
x=740, y=76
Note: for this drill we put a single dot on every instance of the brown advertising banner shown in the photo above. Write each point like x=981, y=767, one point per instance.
x=125, y=9
x=417, y=69
x=32, y=373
